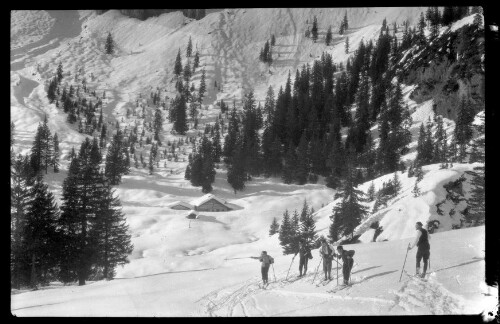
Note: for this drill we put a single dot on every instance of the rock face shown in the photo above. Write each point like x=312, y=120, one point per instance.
x=448, y=69
x=143, y=14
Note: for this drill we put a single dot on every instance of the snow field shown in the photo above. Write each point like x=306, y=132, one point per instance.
x=232, y=288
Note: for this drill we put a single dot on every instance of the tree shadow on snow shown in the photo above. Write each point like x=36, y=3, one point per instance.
x=461, y=264
x=365, y=269
x=380, y=274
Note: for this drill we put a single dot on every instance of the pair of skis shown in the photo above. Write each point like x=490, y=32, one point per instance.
x=417, y=276
x=339, y=288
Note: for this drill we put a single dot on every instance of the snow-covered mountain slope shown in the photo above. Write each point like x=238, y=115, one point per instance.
x=404, y=210
x=455, y=286
x=164, y=239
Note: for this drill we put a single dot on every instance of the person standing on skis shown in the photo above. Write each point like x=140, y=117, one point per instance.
x=304, y=256
x=266, y=261
x=423, y=248
x=326, y=253
x=347, y=262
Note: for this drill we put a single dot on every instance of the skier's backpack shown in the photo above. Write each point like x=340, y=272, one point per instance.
x=271, y=260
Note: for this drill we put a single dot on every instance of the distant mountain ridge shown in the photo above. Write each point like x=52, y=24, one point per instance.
x=144, y=14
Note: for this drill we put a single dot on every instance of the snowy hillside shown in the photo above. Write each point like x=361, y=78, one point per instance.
x=455, y=286
x=178, y=266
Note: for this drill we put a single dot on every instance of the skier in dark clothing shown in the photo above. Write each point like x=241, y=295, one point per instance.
x=326, y=253
x=304, y=256
x=347, y=262
x=266, y=261
x=423, y=247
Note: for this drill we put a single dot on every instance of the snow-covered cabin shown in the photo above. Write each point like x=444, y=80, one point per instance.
x=181, y=205
x=193, y=214
x=210, y=203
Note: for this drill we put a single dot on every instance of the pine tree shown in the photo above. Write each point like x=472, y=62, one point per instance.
x=217, y=149
x=151, y=161
x=109, y=47
x=328, y=38
x=371, y=192
x=202, y=88
x=421, y=27
x=20, y=198
x=178, y=64
x=189, y=48
x=59, y=73
x=273, y=40
x=345, y=22
x=76, y=247
x=55, y=154
x=295, y=234
x=308, y=230
x=41, y=151
x=285, y=232
x=113, y=242
x=349, y=213
x=314, y=30
x=236, y=174
x=416, y=189
x=39, y=232
x=476, y=208
x=346, y=45
x=463, y=128
x=274, y=228
x=196, y=61
x=116, y=165
x=302, y=166
x=231, y=137
x=290, y=165
x=187, y=73
x=157, y=124
x=396, y=184
x=180, y=109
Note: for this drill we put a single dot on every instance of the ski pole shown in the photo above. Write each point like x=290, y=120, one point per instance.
x=237, y=258
x=290, y=267
x=320, y=260
x=404, y=262
x=274, y=274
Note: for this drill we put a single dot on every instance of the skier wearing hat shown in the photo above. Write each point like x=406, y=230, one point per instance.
x=326, y=253
x=423, y=248
x=347, y=262
x=266, y=261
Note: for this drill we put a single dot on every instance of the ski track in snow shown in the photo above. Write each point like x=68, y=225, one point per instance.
x=427, y=296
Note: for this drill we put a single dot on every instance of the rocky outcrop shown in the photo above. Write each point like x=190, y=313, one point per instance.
x=448, y=69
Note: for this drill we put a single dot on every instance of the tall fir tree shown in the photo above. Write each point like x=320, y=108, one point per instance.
x=112, y=240
x=116, y=165
x=55, y=154
x=328, y=37
x=109, y=47
x=178, y=64
x=189, y=49
x=203, y=87
x=274, y=228
x=314, y=30
x=39, y=231
x=349, y=212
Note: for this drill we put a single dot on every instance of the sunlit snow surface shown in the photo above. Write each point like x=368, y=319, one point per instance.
x=164, y=239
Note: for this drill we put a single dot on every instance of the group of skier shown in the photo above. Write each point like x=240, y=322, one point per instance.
x=327, y=253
